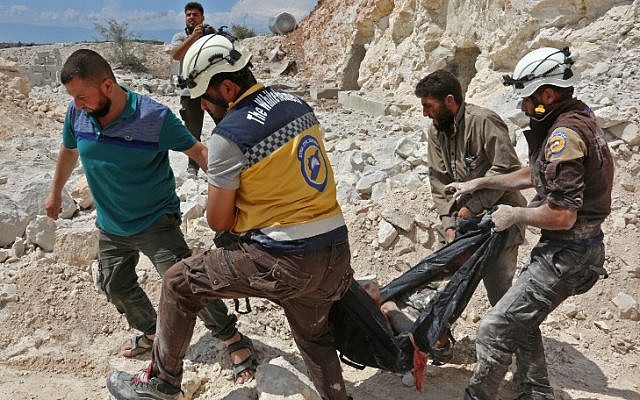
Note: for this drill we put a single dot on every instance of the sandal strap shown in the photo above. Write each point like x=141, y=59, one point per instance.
x=248, y=364
x=143, y=338
x=136, y=349
x=243, y=343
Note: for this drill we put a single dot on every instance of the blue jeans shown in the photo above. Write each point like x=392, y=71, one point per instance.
x=164, y=244
x=557, y=270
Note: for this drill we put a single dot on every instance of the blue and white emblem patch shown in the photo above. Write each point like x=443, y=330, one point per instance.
x=557, y=143
x=312, y=163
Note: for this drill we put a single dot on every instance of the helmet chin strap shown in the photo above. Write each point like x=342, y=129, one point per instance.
x=220, y=103
x=217, y=102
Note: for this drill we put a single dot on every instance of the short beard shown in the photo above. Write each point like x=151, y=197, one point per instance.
x=445, y=119
x=214, y=118
x=102, y=110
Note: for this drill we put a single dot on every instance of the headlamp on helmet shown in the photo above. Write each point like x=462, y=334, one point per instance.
x=544, y=66
x=208, y=56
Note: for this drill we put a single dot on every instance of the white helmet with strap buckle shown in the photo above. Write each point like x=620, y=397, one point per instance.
x=543, y=66
x=208, y=56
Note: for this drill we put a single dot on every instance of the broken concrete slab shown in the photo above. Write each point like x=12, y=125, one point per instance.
x=355, y=101
x=318, y=93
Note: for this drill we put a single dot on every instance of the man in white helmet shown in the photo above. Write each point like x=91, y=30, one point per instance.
x=272, y=189
x=572, y=171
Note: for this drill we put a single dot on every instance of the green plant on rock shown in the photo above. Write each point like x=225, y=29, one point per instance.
x=242, y=31
x=122, y=38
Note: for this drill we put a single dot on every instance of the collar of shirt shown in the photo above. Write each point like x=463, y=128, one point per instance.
x=129, y=109
x=252, y=89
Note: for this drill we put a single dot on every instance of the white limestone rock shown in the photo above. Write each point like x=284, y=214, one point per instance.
x=80, y=192
x=608, y=116
x=406, y=147
x=32, y=197
x=42, y=232
x=279, y=380
x=627, y=307
x=404, y=246
x=76, y=246
x=19, y=247
x=379, y=192
x=8, y=293
x=386, y=234
x=365, y=184
x=629, y=132
x=21, y=85
x=191, y=210
x=4, y=255
x=13, y=221
x=398, y=219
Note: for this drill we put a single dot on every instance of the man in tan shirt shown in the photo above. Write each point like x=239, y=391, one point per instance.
x=467, y=142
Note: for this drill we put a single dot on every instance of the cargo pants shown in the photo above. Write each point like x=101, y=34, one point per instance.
x=558, y=269
x=306, y=285
x=164, y=244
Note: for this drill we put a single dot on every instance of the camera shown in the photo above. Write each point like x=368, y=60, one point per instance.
x=206, y=30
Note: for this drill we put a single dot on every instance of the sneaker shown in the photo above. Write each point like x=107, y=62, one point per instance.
x=124, y=386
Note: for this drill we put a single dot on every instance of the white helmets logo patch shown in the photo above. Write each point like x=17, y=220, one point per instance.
x=312, y=163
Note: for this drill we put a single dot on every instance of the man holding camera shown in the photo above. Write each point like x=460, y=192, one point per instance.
x=190, y=110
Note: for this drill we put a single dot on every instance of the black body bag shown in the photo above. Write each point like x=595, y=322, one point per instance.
x=361, y=332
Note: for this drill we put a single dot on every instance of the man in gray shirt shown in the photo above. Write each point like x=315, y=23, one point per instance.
x=190, y=110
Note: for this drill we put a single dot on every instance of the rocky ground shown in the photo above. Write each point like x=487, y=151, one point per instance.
x=60, y=337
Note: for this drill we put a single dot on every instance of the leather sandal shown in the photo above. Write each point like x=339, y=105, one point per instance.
x=133, y=347
x=248, y=364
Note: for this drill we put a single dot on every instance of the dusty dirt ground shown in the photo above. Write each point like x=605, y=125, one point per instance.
x=60, y=337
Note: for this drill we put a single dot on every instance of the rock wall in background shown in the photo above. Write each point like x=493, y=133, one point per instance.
x=382, y=45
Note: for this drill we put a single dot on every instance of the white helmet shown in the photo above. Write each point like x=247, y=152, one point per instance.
x=543, y=66
x=208, y=56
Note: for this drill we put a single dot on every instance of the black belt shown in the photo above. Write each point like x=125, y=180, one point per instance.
x=591, y=241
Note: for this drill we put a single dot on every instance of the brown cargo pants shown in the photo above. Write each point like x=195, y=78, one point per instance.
x=305, y=285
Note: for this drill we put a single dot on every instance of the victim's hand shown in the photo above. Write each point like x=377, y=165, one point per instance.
x=449, y=235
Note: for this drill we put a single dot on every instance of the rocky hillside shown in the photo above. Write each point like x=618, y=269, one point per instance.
x=382, y=45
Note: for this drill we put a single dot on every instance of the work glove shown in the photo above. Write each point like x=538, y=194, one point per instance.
x=503, y=217
x=459, y=189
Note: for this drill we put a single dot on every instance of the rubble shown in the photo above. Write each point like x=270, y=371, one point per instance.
x=627, y=306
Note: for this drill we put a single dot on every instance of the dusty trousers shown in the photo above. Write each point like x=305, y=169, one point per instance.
x=164, y=244
x=558, y=269
x=306, y=285
x=499, y=272
x=193, y=117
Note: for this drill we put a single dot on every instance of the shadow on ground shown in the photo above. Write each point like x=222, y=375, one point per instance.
x=564, y=360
